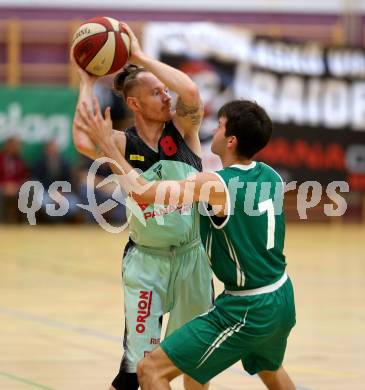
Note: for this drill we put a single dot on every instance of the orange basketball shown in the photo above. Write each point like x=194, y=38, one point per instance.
x=101, y=46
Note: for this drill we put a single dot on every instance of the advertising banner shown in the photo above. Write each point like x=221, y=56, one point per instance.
x=37, y=114
x=314, y=95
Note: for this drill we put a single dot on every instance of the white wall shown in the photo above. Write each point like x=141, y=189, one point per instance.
x=313, y=6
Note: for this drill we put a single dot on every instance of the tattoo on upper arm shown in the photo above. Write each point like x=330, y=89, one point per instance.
x=193, y=112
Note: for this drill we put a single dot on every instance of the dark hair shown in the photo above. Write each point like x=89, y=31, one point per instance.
x=249, y=123
x=126, y=80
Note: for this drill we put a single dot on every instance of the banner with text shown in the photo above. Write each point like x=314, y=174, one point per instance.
x=37, y=114
x=314, y=95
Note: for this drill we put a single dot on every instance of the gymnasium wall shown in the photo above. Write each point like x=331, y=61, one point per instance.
x=34, y=44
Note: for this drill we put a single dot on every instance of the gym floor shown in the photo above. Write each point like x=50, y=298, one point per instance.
x=61, y=314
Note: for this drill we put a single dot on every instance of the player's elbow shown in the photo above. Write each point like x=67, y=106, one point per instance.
x=77, y=141
x=78, y=146
x=82, y=150
x=192, y=92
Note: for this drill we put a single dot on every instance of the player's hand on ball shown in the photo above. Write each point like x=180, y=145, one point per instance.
x=83, y=75
x=135, y=49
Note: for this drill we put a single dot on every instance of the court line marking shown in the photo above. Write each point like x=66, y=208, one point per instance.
x=76, y=345
x=85, y=331
x=25, y=380
x=58, y=324
x=53, y=263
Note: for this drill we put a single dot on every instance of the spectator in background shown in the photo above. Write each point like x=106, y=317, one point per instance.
x=52, y=167
x=117, y=215
x=13, y=173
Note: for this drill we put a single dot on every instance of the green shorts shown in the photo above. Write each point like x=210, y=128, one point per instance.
x=253, y=329
x=156, y=281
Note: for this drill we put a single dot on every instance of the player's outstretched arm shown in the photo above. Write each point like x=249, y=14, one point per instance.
x=189, y=107
x=100, y=132
x=81, y=139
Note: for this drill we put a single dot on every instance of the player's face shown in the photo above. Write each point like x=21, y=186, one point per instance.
x=219, y=139
x=154, y=98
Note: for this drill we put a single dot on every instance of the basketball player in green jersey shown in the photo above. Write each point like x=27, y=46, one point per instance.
x=165, y=267
x=251, y=320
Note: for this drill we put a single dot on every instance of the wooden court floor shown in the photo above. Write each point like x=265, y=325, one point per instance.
x=61, y=309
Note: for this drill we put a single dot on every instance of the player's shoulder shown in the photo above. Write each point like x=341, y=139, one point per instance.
x=255, y=171
x=239, y=169
x=130, y=132
x=269, y=171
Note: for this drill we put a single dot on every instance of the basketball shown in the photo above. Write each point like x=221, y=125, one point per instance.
x=101, y=46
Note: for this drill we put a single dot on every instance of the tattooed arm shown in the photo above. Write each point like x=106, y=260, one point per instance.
x=204, y=186
x=188, y=118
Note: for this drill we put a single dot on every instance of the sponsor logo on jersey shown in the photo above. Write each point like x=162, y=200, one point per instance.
x=136, y=157
x=164, y=210
x=154, y=341
x=168, y=145
x=144, y=310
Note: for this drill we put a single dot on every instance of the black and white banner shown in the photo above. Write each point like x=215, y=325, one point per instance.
x=314, y=95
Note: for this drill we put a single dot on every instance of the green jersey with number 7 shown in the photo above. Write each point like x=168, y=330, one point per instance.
x=245, y=248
